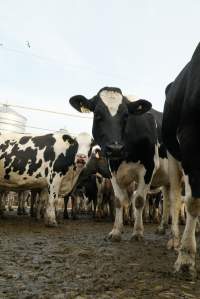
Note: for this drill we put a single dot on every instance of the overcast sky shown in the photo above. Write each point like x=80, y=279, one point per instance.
x=80, y=46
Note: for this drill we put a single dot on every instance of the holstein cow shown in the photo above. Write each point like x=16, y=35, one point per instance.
x=86, y=185
x=181, y=130
x=129, y=134
x=39, y=162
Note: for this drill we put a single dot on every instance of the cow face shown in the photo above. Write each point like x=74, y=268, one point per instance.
x=85, y=143
x=111, y=110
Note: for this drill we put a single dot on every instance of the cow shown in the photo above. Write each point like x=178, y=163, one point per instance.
x=129, y=134
x=105, y=198
x=29, y=162
x=86, y=181
x=181, y=131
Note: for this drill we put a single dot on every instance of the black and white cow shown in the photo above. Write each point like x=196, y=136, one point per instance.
x=40, y=162
x=129, y=134
x=181, y=131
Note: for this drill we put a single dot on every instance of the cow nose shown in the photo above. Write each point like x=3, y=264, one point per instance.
x=114, y=150
x=81, y=158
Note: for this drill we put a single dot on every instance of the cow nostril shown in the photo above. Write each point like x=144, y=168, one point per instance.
x=114, y=149
x=81, y=156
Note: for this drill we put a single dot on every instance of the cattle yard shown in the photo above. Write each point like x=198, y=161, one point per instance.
x=76, y=260
x=110, y=214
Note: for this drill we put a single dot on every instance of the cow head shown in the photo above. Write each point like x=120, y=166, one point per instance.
x=111, y=110
x=85, y=143
x=97, y=164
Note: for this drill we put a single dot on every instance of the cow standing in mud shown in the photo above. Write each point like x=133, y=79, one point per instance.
x=129, y=134
x=40, y=162
x=181, y=132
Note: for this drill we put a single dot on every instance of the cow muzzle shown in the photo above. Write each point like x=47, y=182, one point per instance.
x=114, y=151
x=81, y=160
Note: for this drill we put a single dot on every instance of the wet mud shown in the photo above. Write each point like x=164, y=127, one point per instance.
x=75, y=260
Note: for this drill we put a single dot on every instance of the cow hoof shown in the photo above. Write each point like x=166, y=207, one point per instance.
x=185, y=271
x=65, y=217
x=137, y=237
x=115, y=236
x=50, y=223
x=173, y=244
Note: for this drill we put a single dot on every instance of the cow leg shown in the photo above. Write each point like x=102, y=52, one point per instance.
x=50, y=215
x=182, y=215
x=74, y=207
x=165, y=213
x=65, y=213
x=111, y=204
x=120, y=196
x=20, y=199
x=24, y=199
x=33, y=202
x=41, y=200
x=94, y=206
x=10, y=201
x=185, y=262
x=2, y=203
x=146, y=211
x=175, y=202
x=138, y=200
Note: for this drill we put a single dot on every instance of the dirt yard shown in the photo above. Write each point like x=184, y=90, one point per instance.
x=76, y=261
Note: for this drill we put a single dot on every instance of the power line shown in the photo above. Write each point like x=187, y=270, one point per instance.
x=45, y=110
x=6, y=123
x=64, y=65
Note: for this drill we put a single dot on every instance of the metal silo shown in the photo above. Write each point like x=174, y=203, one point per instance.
x=12, y=121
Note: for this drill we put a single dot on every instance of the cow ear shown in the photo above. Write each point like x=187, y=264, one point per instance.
x=81, y=104
x=139, y=107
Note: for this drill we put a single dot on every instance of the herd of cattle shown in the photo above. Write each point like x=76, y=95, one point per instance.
x=135, y=151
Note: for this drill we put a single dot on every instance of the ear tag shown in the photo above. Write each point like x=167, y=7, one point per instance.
x=84, y=110
x=97, y=155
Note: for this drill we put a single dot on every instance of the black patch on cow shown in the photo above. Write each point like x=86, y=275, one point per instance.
x=68, y=138
x=64, y=161
x=162, y=151
x=6, y=177
x=114, y=164
x=5, y=145
x=38, y=176
x=114, y=89
x=44, y=141
x=46, y=171
x=34, y=167
x=18, y=159
x=24, y=139
x=49, y=154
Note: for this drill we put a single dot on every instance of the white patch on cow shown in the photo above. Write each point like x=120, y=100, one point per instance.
x=112, y=100
x=84, y=142
x=120, y=196
x=129, y=172
x=95, y=148
x=175, y=176
x=132, y=98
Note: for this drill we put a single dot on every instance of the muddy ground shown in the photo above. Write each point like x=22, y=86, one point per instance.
x=75, y=260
